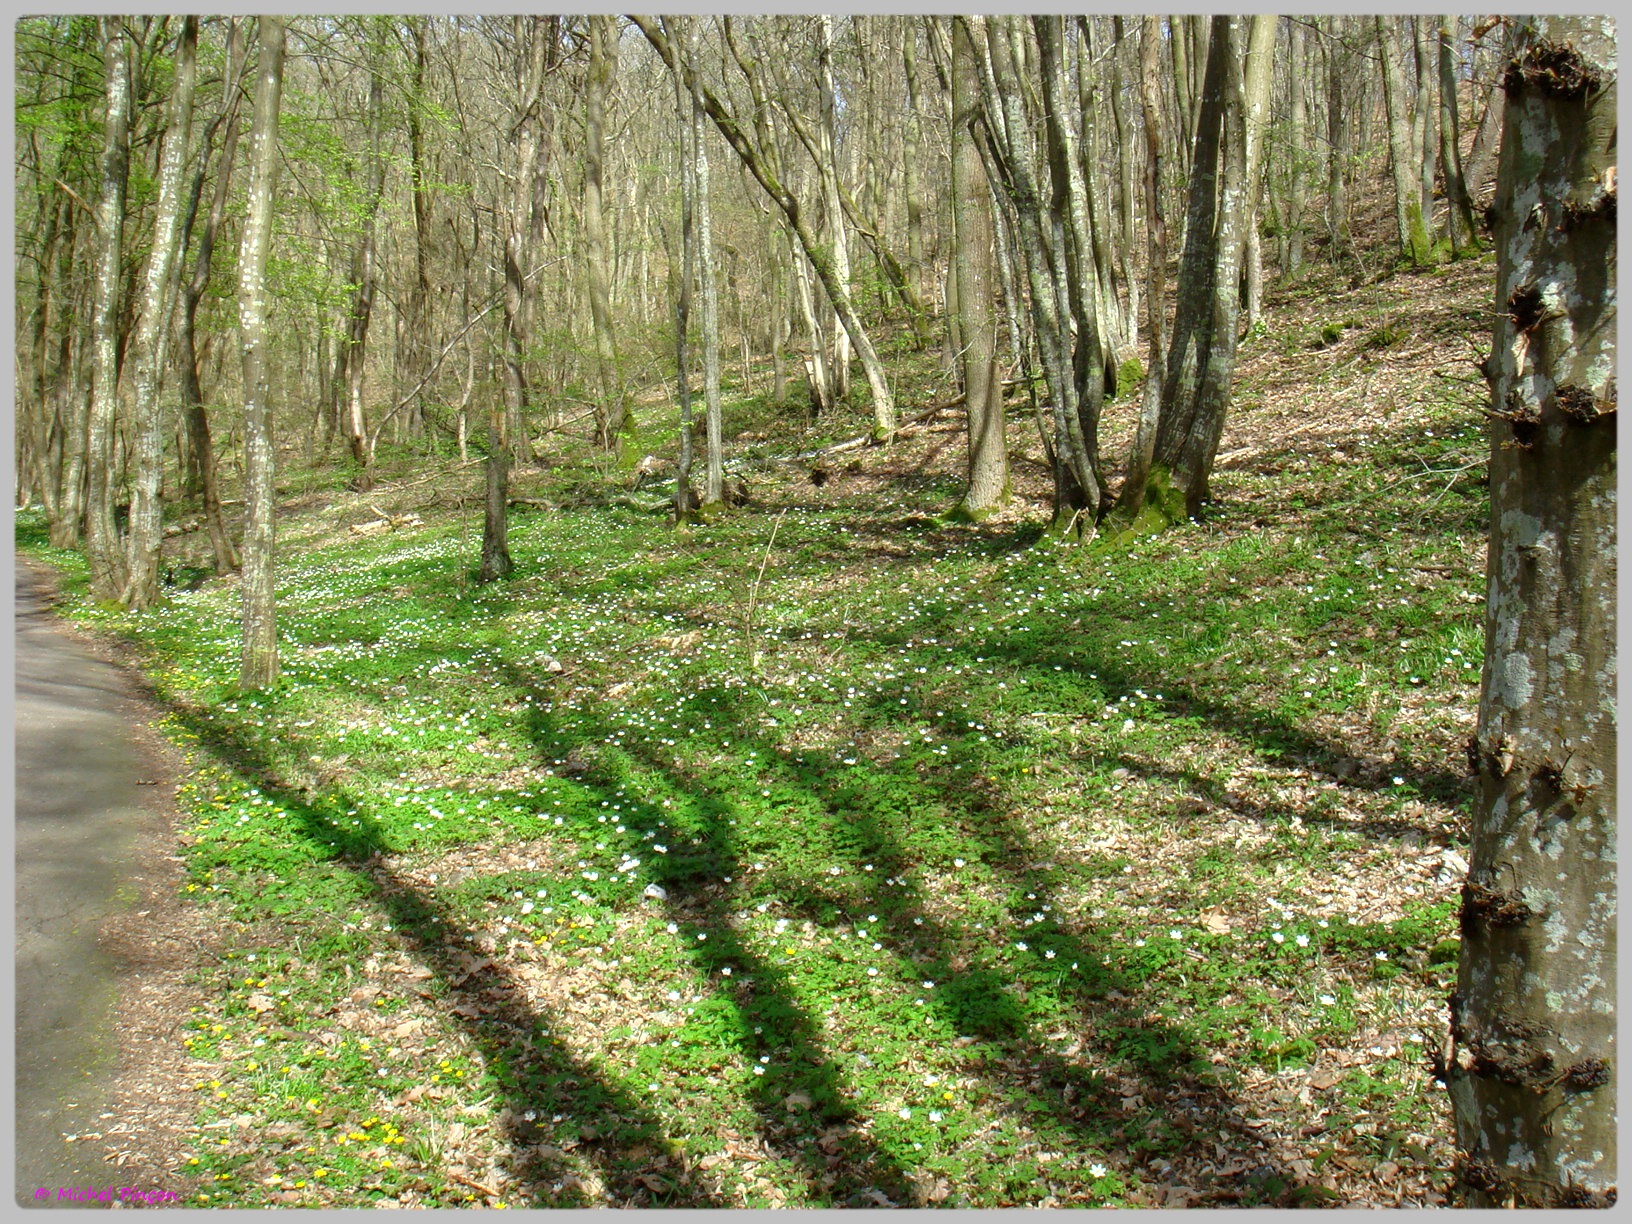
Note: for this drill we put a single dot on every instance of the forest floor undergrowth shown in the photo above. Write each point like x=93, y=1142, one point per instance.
x=941, y=864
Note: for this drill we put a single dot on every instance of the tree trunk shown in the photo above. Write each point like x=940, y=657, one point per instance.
x=1532, y=1061
x=141, y=588
x=691, y=134
x=259, y=665
x=1114, y=332
x=884, y=413
x=1297, y=66
x=1201, y=355
x=102, y=552
x=1340, y=138
x=1132, y=496
x=1425, y=116
x=531, y=51
x=988, y=468
x=1054, y=301
x=1487, y=135
x=1408, y=216
x=612, y=419
x=1127, y=188
x=1458, y=205
x=713, y=498
x=1180, y=54
x=913, y=140
x=352, y=354
x=194, y=416
x=417, y=325
x=1260, y=50
x=827, y=167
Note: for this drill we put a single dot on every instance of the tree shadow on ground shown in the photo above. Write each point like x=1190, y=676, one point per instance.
x=1268, y=734
x=490, y=1004
x=1128, y=1067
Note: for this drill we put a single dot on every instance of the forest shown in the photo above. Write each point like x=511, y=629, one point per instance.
x=847, y=610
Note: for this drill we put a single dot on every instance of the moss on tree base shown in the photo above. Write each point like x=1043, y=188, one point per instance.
x=1163, y=507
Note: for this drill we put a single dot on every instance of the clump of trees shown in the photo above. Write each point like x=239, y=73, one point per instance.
x=446, y=178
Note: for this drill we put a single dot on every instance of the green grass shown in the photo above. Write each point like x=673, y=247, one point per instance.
x=945, y=888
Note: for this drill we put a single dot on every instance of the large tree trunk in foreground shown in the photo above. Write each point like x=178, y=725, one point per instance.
x=259, y=666
x=1532, y=1063
x=146, y=511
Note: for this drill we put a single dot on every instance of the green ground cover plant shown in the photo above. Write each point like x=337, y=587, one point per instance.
x=985, y=872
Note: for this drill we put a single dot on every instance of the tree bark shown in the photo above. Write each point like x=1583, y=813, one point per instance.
x=259, y=664
x=1260, y=50
x=1131, y=499
x=141, y=589
x=1297, y=71
x=713, y=498
x=525, y=134
x=102, y=552
x=1201, y=356
x=1408, y=216
x=988, y=466
x=1531, y=1066
x=1458, y=204
x=196, y=419
x=352, y=353
x=612, y=418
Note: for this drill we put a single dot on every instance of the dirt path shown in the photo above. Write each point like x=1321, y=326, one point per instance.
x=102, y=945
